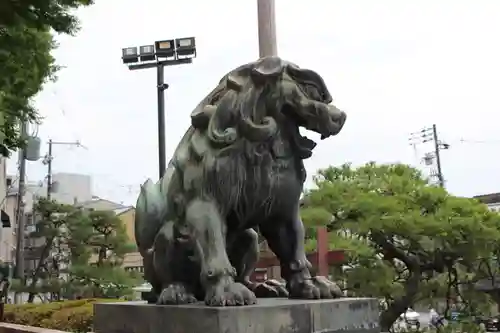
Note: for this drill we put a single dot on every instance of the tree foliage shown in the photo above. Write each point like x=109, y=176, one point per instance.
x=26, y=62
x=404, y=237
x=107, y=243
x=82, y=251
x=26, y=65
x=40, y=14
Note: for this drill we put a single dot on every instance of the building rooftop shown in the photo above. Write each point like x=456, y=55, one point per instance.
x=102, y=204
x=490, y=198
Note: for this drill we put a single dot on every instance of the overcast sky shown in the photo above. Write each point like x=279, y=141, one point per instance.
x=394, y=66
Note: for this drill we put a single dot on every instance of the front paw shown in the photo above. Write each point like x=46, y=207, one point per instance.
x=175, y=294
x=327, y=288
x=314, y=288
x=226, y=292
x=268, y=289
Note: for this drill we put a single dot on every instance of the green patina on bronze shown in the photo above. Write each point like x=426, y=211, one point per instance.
x=239, y=168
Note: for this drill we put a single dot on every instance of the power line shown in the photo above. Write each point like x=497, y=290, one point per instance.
x=462, y=140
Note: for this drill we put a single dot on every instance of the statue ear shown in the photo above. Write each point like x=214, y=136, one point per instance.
x=234, y=83
x=267, y=67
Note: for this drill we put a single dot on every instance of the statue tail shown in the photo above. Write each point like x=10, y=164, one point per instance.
x=150, y=212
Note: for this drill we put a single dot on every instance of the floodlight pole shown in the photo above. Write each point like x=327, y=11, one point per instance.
x=161, y=86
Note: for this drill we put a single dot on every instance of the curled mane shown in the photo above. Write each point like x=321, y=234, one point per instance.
x=237, y=123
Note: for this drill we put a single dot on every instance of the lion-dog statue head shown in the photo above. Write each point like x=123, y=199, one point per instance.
x=251, y=101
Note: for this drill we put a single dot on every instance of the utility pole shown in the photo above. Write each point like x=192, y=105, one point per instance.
x=48, y=161
x=437, y=148
x=427, y=135
x=20, y=218
x=266, y=17
x=49, y=157
x=49, y=171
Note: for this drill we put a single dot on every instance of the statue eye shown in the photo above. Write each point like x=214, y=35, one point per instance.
x=312, y=92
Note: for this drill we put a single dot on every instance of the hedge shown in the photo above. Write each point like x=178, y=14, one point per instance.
x=72, y=316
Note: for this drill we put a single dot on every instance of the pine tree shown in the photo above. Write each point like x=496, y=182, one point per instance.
x=405, y=239
x=54, y=225
x=82, y=250
x=106, y=239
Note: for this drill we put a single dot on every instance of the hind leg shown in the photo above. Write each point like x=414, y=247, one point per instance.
x=243, y=252
x=285, y=236
x=174, y=270
x=217, y=274
x=244, y=255
x=151, y=277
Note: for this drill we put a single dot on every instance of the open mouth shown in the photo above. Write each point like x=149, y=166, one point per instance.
x=301, y=122
x=302, y=143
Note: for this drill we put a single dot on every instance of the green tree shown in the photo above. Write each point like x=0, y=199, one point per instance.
x=54, y=225
x=47, y=242
x=81, y=250
x=401, y=233
x=26, y=65
x=25, y=56
x=106, y=240
x=38, y=14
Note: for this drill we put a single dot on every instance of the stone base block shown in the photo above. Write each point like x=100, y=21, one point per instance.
x=347, y=315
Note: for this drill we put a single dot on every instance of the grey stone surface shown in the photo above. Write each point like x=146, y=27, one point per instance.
x=347, y=315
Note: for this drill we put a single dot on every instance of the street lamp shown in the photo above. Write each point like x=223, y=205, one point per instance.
x=163, y=53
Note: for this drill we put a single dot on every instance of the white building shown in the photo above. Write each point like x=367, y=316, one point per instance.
x=68, y=188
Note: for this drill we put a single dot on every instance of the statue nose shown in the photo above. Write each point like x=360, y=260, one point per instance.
x=337, y=115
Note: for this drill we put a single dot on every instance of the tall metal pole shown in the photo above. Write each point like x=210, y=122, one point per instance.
x=267, y=28
x=20, y=218
x=161, y=87
x=438, y=155
x=49, y=171
x=266, y=23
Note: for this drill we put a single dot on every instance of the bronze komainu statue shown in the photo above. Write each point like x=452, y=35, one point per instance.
x=238, y=168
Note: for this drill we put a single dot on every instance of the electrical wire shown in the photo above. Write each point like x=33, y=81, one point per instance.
x=63, y=112
x=462, y=140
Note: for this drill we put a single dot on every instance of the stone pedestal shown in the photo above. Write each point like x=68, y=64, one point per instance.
x=347, y=315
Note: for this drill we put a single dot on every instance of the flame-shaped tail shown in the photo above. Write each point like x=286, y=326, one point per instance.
x=151, y=209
